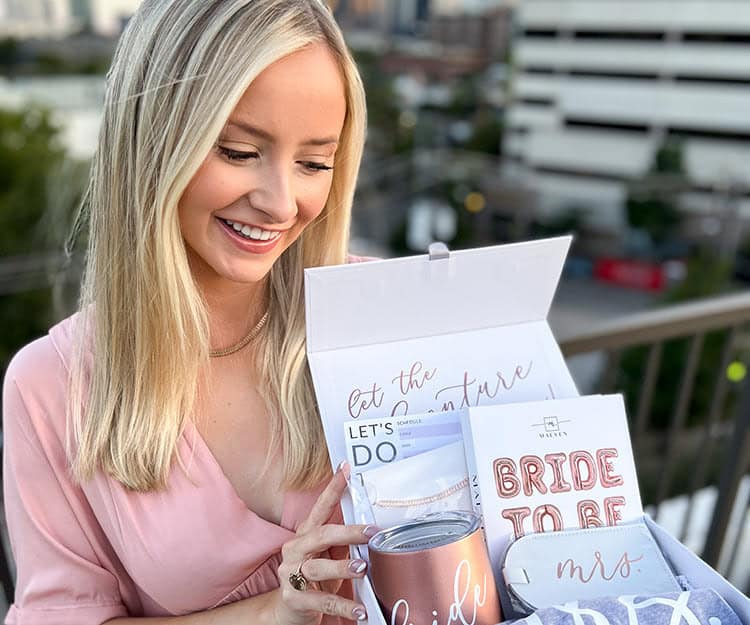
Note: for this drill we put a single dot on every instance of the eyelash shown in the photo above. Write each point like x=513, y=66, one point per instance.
x=235, y=155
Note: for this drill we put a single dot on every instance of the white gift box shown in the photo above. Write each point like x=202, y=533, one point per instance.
x=446, y=331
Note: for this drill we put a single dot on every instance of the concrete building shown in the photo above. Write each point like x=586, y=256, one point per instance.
x=601, y=84
x=108, y=17
x=456, y=7
x=23, y=19
x=26, y=19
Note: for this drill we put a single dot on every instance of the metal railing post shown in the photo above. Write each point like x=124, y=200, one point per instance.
x=734, y=468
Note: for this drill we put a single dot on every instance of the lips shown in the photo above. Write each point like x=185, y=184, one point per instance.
x=251, y=232
x=247, y=243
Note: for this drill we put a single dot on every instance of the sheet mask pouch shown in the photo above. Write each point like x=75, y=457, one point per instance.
x=703, y=606
x=552, y=568
x=433, y=481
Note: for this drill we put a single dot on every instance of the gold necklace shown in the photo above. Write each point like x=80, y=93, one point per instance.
x=421, y=501
x=218, y=353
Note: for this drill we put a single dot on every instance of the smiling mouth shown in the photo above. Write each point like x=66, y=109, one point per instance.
x=251, y=233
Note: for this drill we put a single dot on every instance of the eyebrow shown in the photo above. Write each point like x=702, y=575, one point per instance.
x=259, y=132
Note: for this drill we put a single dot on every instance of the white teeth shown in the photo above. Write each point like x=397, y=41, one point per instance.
x=252, y=232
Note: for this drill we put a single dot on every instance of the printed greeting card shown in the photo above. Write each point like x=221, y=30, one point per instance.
x=550, y=465
x=371, y=443
x=406, y=467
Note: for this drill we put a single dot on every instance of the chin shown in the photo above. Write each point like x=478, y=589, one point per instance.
x=248, y=276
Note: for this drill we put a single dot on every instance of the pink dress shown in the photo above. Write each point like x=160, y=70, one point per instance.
x=90, y=553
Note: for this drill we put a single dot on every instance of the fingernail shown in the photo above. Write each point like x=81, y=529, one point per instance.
x=345, y=469
x=357, y=566
x=359, y=613
x=370, y=531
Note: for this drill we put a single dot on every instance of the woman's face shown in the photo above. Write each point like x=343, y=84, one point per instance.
x=270, y=172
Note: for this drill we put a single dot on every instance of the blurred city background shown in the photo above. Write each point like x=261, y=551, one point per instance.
x=625, y=122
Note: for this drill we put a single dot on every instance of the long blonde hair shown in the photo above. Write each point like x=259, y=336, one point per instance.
x=178, y=73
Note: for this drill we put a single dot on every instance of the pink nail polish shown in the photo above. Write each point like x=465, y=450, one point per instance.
x=359, y=613
x=370, y=531
x=345, y=469
x=357, y=566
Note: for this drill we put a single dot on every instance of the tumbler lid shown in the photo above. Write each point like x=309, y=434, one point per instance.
x=427, y=532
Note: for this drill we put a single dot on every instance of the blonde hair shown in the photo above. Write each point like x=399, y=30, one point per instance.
x=178, y=73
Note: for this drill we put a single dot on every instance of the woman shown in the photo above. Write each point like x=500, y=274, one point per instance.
x=164, y=455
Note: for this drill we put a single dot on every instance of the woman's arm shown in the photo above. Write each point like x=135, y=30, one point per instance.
x=258, y=609
x=305, y=554
x=62, y=576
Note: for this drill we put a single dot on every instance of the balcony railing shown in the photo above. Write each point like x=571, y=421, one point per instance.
x=721, y=430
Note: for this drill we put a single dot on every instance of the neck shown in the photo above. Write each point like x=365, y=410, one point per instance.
x=233, y=310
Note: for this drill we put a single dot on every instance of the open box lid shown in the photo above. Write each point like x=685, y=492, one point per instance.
x=407, y=298
x=419, y=334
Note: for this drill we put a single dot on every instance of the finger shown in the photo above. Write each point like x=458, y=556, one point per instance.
x=323, y=570
x=323, y=538
x=326, y=603
x=328, y=501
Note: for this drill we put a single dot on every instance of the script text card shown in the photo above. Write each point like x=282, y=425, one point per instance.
x=447, y=372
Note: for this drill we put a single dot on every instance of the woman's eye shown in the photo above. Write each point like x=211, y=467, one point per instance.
x=313, y=166
x=236, y=155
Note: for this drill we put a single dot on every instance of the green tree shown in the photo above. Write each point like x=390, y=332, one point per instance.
x=652, y=204
x=9, y=55
x=31, y=158
x=706, y=275
x=487, y=135
x=383, y=113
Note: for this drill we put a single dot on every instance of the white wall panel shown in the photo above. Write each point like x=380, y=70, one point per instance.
x=620, y=154
x=534, y=86
x=536, y=116
x=645, y=102
x=571, y=190
x=710, y=162
x=514, y=143
x=707, y=203
x=647, y=15
x=691, y=59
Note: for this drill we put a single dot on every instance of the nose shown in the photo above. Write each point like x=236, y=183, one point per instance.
x=273, y=194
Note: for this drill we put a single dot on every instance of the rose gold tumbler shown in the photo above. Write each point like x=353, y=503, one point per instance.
x=434, y=570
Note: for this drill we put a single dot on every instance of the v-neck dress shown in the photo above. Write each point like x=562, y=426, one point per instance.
x=92, y=552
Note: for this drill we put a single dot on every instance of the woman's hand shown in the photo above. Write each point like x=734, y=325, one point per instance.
x=324, y=575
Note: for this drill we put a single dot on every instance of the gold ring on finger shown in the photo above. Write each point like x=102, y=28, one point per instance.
x=297, y=580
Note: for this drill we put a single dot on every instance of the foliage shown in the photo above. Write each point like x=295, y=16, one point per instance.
x=707, y=275
x=382, y=110
x=652, y=203
x=570, y=219
x=9, y=54
x=53, y=64
x=487, y=135
x=30, y=156
x=465, y=97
